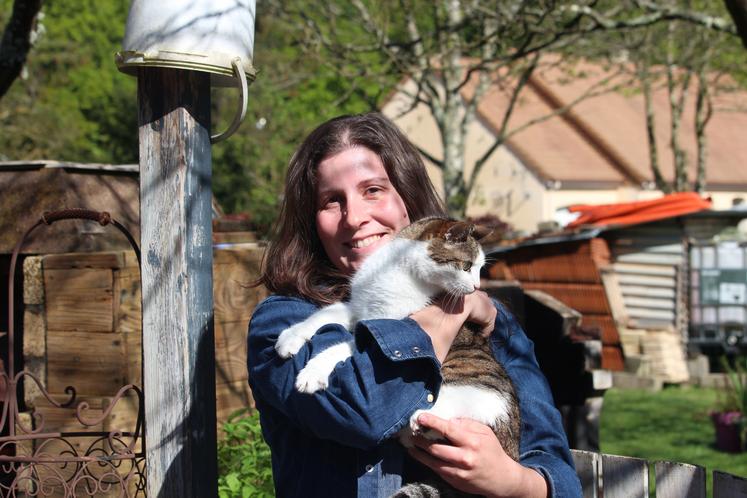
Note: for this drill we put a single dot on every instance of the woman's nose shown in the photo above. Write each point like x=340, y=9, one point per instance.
x=355, y=214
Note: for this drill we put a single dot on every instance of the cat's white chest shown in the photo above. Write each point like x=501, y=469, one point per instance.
x=388, y=286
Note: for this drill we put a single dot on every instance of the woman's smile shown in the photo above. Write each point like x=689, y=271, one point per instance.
x=358, y=209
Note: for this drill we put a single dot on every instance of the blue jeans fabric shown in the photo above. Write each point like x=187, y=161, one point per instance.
x=339, y=442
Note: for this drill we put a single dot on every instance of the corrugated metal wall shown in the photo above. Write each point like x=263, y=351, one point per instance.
x=649, y=262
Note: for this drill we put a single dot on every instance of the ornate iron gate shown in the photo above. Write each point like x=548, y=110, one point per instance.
x=85, y=462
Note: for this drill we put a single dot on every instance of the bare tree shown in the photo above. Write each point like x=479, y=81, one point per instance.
x=454, y=51
x=686, y=60
x=17, y=40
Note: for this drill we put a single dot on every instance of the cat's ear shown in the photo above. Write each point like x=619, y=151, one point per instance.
x=481, y=232
x=459, y=231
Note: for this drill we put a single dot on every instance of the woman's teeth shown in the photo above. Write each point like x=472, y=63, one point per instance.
x=359, y=244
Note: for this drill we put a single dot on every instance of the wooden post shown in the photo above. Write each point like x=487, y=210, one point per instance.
x=176, y=243
x=624, y=477
x=679, y=480
x=587, y=467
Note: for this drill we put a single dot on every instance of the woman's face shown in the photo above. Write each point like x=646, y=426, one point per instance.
x=358, y=209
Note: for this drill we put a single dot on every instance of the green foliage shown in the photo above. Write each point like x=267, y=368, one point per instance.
x=671, y=424
x=733, y=396
x=73, y=104
x=244, y=467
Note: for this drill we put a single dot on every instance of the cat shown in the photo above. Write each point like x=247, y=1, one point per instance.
x=427, y=259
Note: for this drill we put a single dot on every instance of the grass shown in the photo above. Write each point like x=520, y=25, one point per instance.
x=671, y=424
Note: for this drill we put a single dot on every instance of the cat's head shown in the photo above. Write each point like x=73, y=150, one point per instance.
x=454, y=256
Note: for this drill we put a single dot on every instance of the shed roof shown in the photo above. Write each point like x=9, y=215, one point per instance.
x=31, y=188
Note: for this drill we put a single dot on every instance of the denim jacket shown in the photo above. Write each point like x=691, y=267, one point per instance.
x=339, y=442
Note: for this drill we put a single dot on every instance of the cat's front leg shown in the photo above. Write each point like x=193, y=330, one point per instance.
x=292, y=339
x=483, y=405
x=315, y=375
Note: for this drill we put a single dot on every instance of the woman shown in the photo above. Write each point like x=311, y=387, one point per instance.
x=351, y=186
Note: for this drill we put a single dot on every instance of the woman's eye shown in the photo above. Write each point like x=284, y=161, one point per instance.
x=373, y=190
x=331, y=203
x=466, y=266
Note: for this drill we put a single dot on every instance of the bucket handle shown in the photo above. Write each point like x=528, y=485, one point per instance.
x=244, y=94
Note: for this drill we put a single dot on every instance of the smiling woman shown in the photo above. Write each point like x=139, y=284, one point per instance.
x=369, y=146
x=353, y=184
x=358, y=209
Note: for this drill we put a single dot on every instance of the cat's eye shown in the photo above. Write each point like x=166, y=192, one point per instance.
x=466, y=266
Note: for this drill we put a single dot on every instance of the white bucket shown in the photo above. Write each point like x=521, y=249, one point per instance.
x=198, y=35
x=215, y=36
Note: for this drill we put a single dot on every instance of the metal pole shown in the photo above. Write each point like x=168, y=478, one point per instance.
x=176, y=242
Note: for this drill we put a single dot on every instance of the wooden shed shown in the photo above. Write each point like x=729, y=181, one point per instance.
x=629, y=282
x=77, y=293
x=82, y=326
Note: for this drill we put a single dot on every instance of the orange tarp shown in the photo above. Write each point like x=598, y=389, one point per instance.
x=630, y=213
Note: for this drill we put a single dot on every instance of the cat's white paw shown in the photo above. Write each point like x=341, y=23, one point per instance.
x=414, y=425
x=311, y=380
x=417, y=430
x=290, y=341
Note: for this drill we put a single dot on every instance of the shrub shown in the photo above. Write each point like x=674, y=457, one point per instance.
x=244, y=468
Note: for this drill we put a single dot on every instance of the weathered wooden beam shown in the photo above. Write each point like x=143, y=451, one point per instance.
x=178, y=342
x=624, y=477
x=680, y=480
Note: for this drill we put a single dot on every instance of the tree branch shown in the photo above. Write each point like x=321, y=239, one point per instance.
x=16, y=42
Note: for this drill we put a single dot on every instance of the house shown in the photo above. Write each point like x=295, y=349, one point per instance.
x=595, y=154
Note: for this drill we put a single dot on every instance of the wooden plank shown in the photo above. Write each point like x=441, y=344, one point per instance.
x=587, y=467
x=233, y=273
x=638, y=290
x=679, y=480
x=230, y=351
x=652, y=281
x=95, y=260
x=133, y=350
x=127, y=301
x=234, y=237
x=175, y=218
x=624, y=477
x=728, y=486
x=79, y=299
x=34, y=350
x=123, y=416
x=613, y=291
x=639, y=269
x=91, y=362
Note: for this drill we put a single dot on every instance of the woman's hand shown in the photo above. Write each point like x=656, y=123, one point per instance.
x=443, y=319
x=472, y=460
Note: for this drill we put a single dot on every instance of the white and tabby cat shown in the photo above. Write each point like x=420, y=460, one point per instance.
x=429, y=258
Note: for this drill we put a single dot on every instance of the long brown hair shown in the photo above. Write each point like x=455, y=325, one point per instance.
x=295, y=262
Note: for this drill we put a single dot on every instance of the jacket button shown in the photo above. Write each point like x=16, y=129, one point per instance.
x=415, y=349
x=397, y=354
x=429, y=398
x=369, y=468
